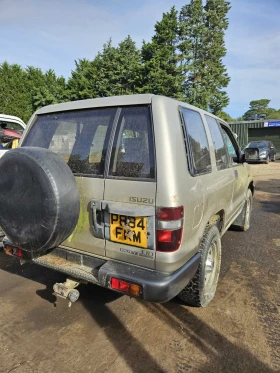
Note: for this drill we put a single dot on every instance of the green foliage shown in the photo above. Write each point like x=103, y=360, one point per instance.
x=192, y=33
x=161, y=72
x=14, y=96
x=114, y=71
x=225, y=116
x=23, y=91
x=261, y=107
x=202, y=48
x=217, y=78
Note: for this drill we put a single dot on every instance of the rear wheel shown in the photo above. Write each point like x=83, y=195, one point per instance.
x=201, y=290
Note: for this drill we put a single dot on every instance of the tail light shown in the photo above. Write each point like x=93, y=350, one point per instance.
x=14, y=251
x=169, y=228
x=126, y=287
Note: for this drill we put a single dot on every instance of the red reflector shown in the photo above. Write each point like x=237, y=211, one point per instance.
x=170, y=213
x=169, y=241
x=120, y=285
x=164, y=235
x=19, y=253
x=125, y=287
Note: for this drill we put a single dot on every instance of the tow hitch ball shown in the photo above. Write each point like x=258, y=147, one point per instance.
x=67, y=290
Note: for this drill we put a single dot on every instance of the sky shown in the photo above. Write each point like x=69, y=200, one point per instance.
x=55, y=33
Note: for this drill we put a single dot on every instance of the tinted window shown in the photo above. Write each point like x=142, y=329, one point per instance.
x=218, y=141
x=198, y=142
x=79, y=137
x=133, y=150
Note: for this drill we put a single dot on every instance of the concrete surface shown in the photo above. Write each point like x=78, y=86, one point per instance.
x=106, y=332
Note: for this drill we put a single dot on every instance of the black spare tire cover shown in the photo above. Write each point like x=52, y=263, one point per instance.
x=39, y=198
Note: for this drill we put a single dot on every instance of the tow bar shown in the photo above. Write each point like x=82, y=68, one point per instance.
x=67, y=290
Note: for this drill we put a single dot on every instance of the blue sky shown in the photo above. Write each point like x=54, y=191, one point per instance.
x=54, y=33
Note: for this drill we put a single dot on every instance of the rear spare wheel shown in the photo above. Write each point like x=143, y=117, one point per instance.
x=39, y=199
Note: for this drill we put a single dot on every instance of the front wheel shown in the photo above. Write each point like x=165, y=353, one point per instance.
x=201, y=290
x=267, y=159
x=273, y=159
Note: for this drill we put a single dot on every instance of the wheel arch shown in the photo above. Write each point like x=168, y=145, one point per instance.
x=218, y=219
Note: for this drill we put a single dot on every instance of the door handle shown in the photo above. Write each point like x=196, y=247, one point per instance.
x=98, y=229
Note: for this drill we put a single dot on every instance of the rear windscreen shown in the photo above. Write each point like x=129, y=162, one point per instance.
x=82, y=139
x=79, y=137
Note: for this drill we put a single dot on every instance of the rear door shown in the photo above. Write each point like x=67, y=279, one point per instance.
x=81, y=138
x=225, y=175
x=239, y=169
x=130, y=189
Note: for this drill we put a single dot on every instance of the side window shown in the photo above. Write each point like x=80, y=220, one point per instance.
x=219, y=144
x=230, y=146
x=133, y=149
x=198, y=143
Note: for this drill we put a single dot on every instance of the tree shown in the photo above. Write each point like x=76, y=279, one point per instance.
x=202, y=48
x=82, y=83
x=225, y=116
x=192, y=33
x=261, y=107
x=118, y=68
x=161, y=72
x=46, y=89
x=216, y=22
x=114, y=71
x=14, y=97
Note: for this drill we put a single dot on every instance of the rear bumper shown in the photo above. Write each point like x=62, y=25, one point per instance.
x=156, y=286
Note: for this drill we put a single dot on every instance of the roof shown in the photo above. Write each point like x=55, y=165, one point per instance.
x=139, y=99
x=98, y=102
x=13, y=119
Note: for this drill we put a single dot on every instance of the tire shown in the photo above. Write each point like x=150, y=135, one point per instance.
x=201, y=290
x=39, y=199
x=273, y=159
x=267, y=160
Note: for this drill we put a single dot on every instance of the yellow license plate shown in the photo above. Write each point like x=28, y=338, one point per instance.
x=129, y=230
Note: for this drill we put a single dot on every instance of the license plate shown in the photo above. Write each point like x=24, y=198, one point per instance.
x=129, y=230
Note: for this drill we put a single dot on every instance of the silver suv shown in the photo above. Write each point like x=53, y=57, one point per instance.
x=156, y=184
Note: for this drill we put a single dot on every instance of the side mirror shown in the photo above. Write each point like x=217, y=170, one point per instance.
x=271, y=147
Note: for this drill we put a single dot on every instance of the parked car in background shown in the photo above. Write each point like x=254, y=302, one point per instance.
x=157, y=184
x=261, y=151
x=256, y=116
x=11, y=129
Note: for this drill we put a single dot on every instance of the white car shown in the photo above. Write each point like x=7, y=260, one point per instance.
x=9, y=124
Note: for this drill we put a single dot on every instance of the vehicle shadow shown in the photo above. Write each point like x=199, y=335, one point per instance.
x=95, y=301
x=222, y=355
